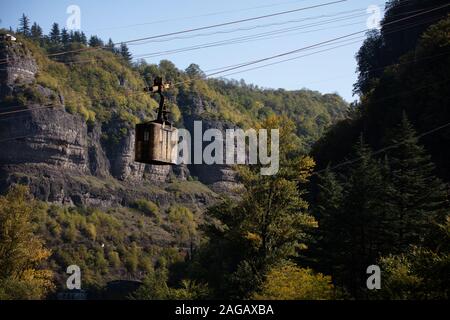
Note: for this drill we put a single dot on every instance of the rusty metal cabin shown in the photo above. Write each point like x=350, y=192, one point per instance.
x=156, y=141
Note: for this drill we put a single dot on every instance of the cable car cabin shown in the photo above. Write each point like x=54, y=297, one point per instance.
x=156, y=141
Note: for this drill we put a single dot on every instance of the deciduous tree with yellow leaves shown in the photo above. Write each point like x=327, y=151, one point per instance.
x=270, y=222
x=21, y=251
x=287, y=281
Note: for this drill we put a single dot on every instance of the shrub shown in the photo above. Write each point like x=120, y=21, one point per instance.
x=290, y=282
x=114, y=259
x=147, y=207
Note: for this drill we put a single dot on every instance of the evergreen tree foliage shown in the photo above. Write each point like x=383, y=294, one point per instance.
x=419, y=273
x=83, y=38
x=419, y=199
x=65, y=37
x=362, y=225
x=328, y=213
x=95, y=41
x=36, y=32
x=55, y=35
x=110, y=46
x=125, y=52
x=270, y=223
x=380, y=210
x=194, y=71
x=24, y=25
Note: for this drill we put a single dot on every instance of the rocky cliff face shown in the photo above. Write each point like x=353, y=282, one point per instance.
x=65, y=160
x=221, y=178
x=20, y=66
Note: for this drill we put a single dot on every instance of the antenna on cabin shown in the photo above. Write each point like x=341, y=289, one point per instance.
x=159, y=87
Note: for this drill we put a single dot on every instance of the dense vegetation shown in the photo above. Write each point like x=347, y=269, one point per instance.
x=381, y=198
x=403, y=71
x=101, y=82
x=121, y=243
x=309, y=232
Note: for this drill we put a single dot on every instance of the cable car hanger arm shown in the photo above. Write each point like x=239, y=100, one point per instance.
x=159, y=87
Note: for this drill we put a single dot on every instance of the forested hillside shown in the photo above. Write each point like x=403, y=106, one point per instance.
x=102, y=83
x=95, y=207
x=398, y=72
x=360, y=187
x=382, y=191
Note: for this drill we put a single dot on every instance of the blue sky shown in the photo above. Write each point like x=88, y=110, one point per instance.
x=329, y=71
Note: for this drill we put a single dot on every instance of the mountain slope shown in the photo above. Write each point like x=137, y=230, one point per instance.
x=99, y=208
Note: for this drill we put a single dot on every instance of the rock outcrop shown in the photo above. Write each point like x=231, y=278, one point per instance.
x=220, y=177
x=66, y=160
x=19, y=66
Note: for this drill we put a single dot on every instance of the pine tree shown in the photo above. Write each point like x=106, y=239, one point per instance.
x=76, y=37
x=364, y=219
x=36, y=32
x=65, y=37
x=95, y=41
x=55, y=36
x=83, y=38
x=24, y=25
x=125, y=53
x=110, y=46
x=419, y=198
x=328, y=214
x=194, y=71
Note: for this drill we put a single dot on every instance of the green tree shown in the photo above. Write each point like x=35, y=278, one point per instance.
x=369, y=58
x=55, y=35
x=363, y=225
x=328, y=213
x=65, y=37
x=36, y=32
x=75, y=36
x=147, y=207
x=419, y=199
x=132, y=258
x=24, y=25
x=268, y=224
x=419, y=273
x=95, y=41
x=125, y=52
x=185, y=226
x=155, y=287
x=83, y=38
x=110, y=46
x=114, y=259
x=22, y=253
x=194, y=71
x=287, y=281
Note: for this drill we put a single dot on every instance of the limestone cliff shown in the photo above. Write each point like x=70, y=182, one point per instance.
x=65, y=159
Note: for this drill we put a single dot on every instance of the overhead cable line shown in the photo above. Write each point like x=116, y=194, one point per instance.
x=198, y=16
x=301, y=56
x=271, y=57
x=204, y=27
